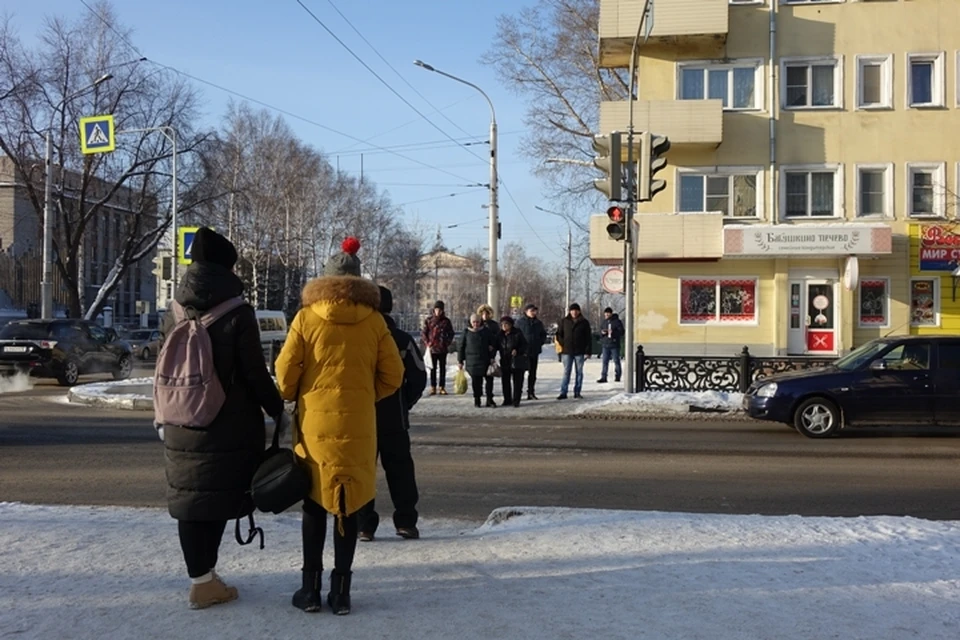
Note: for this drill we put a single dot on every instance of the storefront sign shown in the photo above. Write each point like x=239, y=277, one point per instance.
x=939, y=248
x=807, y=240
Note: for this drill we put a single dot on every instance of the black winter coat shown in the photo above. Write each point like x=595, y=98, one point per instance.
x=510, y=342
x=611, y=330
x=393, y=411
x=493, y=328
x=534, y=332
x=209, y=470
x=575, y=336
x=474, y=351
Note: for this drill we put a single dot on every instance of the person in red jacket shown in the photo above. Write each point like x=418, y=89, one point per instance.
x=437, y=336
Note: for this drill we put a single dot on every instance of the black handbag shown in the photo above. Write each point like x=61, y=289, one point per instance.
x=281, y=480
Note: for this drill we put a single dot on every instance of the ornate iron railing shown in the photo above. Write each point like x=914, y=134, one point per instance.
x=713, y=373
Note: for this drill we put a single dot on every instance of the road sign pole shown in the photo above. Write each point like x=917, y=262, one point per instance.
x=173, y=214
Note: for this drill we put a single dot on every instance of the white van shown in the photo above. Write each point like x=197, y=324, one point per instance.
x=273, y=326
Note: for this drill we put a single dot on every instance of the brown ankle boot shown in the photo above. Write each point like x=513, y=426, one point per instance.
x=433, y=391
x=210, y=593
x=443, y=391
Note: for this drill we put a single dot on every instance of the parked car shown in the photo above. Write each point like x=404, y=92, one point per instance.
x=904, y=381
x=62, y=349
x=144, y=343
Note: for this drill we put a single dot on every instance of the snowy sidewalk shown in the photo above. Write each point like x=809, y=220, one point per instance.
x=101, y=572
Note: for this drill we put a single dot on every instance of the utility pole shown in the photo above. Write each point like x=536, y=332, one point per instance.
x=569, y=265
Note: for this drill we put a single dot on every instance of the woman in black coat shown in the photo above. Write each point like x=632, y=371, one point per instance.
x=209, y=470
x=513, y=360
x=475, y=353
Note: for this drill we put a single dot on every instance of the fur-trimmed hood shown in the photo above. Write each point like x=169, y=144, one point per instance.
x=341, y=299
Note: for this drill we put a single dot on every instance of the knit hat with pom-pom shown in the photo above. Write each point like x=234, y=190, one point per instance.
x=346, y=263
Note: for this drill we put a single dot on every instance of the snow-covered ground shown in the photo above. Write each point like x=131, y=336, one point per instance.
x=531, y=573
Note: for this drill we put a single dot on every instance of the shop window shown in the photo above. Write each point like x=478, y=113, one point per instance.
x=735, y=84
x=726, y=300
x=812, y=83
x=926, y=190
x=925, y=302
x=811, y=193
x=875, y=302
x=732, y=194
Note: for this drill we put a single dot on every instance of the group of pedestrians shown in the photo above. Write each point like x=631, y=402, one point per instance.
x=353, y=377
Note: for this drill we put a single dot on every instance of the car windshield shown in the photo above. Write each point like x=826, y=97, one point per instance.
x=25, y=331
x=140, y=335
x=861, y=355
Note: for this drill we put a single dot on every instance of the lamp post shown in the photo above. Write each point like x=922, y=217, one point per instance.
x=46, y=285
x=566, y=304
x=493, y=297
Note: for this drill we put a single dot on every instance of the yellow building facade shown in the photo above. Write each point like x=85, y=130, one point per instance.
x=814, y=145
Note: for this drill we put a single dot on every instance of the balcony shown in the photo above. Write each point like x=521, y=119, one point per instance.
x=661, y=237
x=693, y=123
x=680, y=26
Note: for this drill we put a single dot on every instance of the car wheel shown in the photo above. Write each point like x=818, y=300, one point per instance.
x=817, y=418
x=145, y=354
x=69, y=375
x=124, y=367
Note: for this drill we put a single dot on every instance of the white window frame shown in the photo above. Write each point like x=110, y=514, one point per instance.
x=886, y=80
x=718, y=280
x=810, y=61
x=937, y=90
x=886, y=304
x=714, y=172
x=759, y=84
x=939, y=169
x=743, y=2
x=936, y=301
x=811, y=1
x=888, y=186
x=839, y=210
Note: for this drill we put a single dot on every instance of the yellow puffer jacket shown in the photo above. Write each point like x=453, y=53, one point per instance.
x=338, y=361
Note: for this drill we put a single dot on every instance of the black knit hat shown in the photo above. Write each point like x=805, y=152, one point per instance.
x=608, y=310
x=438, y=305
x=210, y=246
x=386, y=300
x=529, y=307
x=574, y=307
x=506, y=319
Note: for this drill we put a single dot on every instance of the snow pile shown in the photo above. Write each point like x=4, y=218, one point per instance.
x=16, y=382
x=667, y=402
x=133, y=393
x=532, y=573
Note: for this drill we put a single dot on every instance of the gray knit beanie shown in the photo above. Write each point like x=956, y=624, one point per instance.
x=346, y=263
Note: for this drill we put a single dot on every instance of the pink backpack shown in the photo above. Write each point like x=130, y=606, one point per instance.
x=186, y=389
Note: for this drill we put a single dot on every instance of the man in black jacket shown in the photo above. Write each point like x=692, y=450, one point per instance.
x=611, y=331
x=575, y=339
x=393, y=438
x=536, y=334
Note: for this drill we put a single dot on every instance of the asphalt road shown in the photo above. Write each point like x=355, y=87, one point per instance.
x=53, y=452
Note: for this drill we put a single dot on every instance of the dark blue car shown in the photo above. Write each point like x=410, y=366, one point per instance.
x=905, y=381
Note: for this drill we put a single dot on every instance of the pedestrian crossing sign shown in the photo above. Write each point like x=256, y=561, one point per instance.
x=97, y=134
x=185, y=243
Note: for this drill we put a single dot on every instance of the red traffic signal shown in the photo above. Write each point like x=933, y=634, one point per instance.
x=616, y=214
x=617, y=229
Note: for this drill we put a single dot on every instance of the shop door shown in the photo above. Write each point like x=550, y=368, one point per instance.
x=812, y=318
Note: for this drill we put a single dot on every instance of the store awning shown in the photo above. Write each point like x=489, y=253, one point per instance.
x=807, y=240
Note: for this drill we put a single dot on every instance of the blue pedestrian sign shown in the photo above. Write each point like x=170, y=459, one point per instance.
x=185, y=243
x=97, y=134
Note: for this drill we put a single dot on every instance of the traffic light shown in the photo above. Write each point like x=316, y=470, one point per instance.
x=652, y=148
x=617, y=229
x=608, y=161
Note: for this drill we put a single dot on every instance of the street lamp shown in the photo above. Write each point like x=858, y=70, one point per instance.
x=566, y=305
x=46, y=285
x=493, y=297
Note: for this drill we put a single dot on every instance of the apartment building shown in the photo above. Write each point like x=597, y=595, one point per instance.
x=811, y=202
x=457, y=280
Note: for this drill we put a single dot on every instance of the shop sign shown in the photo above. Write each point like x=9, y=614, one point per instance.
x=807, y=240
x=939, y=248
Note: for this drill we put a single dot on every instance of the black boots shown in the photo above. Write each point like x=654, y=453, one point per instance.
x=339, y=596
x=308, y=597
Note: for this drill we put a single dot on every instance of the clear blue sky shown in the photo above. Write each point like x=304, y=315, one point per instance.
x=275, y=52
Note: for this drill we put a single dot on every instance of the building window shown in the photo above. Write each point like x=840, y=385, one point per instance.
x=812, y=83
x=875, y=190
x=925, y=79
x=725, y=301
x=737, y=84
x=733, y=194
x=925, y=302
x=875, y=82
x=926, y=195
x=812, y=193
x=875, y=302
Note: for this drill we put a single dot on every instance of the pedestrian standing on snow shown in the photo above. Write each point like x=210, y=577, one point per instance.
x=474, y=354
x=575, y=340
x=339, y=360
x=536, y=335
x=513, y=360
x=393, y=438
x=209, y=470
x=485, y=312
x=437, y=337
x=611, y=331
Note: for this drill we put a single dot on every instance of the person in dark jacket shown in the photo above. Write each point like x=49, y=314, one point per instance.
x=536, y=335
x=575, y=339
x=393, y=438
x=513, y=360
x=209, y=470
x=437, y=336
x=485, y=312
x=611, y=331
x=475, y=355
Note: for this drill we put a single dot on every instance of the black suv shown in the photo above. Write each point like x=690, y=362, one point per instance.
x=62, y=349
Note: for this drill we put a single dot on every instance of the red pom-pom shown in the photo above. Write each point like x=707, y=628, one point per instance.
x=350, y=245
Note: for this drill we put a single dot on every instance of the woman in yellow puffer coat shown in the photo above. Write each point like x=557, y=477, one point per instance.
x=338, y=361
